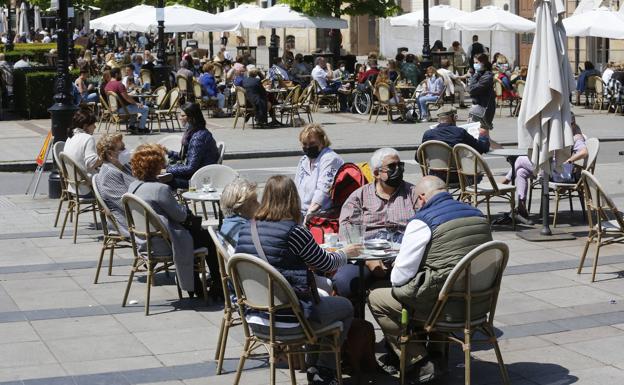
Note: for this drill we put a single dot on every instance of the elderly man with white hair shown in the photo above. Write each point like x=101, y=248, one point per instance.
x=385, y=204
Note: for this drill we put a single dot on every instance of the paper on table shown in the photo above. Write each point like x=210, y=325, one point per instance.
x=472, y=128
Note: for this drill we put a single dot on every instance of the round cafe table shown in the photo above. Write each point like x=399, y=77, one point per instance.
x=202, y=197
x=361, y=260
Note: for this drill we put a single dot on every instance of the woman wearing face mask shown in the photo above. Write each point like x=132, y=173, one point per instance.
x=199, y=148
x=481, y=89
x=504, y=75
x=316, y=170
x=115, y=176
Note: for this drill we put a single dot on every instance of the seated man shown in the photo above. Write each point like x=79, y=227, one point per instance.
x=453, y=82
x=115, y=85
x=324, y=75
x=448, y=132
x=441, y=233
x=387, y=204
x=278, y=70
x=370, y=73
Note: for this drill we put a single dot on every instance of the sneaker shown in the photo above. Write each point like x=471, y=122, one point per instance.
x=324, y=376
x=425, y=371
x=310, y=373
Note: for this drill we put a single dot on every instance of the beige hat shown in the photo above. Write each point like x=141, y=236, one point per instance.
x=446, y=111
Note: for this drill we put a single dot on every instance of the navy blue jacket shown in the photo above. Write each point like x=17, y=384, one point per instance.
x=444, y=208
x=201, y=151
x=453, y=135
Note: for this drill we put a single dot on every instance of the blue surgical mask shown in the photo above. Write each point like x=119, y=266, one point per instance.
x=478, y=67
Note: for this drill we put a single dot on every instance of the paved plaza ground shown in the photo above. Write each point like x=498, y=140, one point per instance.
x=57, y=327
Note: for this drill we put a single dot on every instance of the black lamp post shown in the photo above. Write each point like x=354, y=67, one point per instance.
x=273, y=47
x=426, y=51
x=161, y=70
x=9, y=44
x=63, y=109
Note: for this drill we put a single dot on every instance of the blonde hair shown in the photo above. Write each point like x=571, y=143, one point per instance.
x=280, y=201
x=315, y=129
x=107, y=144
x=237, y=195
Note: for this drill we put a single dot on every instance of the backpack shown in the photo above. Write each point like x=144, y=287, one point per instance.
x=349, y=177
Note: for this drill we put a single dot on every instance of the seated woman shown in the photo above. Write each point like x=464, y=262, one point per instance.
x=209, y=87
x=590, y=70
x=114, y=177
x=316, y=170
x=146, y=162
x=199, y=148
x=504, y=75
x=80, y=145
x=239, y=202
x=521, y=76
x=291, y=249
x=434, y=85
x=524, y=168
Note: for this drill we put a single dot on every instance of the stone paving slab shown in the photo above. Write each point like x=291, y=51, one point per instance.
x=57, y=327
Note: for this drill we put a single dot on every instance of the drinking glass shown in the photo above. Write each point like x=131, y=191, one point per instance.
x=355, y=233
x=207, y=184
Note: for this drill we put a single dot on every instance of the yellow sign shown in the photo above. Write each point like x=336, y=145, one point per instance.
x=44, y=149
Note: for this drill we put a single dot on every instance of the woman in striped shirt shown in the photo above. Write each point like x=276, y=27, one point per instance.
x=290, y=248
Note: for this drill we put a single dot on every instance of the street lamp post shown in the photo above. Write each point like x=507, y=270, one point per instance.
x=426, y=51
x=161, y=70
x=63, y=109
x=273, y=47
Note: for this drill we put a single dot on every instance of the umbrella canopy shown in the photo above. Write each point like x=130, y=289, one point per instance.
x=37, y=18
x=282, y=16
x=245, y=12
x=544, y=119
x=438, y=16
x=22, y=27
x=3, y=20
x=178, y=18
x=491, y=18
x=601, y=22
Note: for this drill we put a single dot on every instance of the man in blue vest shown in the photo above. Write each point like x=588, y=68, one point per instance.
x=435, y=240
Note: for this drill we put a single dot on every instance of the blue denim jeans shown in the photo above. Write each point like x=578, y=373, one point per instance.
x=422, y=104
x=133, y=109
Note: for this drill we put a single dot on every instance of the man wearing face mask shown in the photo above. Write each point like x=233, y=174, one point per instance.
x=115, y=176
x=386, y=204
x=316, y=170
x=440, y=234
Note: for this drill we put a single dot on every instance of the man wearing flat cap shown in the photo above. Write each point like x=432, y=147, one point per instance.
x=448, y=132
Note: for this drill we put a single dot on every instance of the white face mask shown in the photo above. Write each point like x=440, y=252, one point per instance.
x=342, y=69
x=478, y=67
x=124, y=156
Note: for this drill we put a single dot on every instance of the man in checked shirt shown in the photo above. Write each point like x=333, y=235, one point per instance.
x=386, y=204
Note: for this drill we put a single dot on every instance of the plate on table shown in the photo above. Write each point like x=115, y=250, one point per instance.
x=377, y=244
x=334, y=247
x=376, y=253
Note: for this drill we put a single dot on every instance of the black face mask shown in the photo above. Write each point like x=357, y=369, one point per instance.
x=395, y=177
x=312, y=152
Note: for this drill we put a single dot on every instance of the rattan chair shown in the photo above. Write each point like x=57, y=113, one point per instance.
x=57, y=150
x=561, y=189
x=466, y=304
x=79, y=192
x=305, y=102
x=114, y=237
x=242, y=109
x=384, y=94
x=436, y=158
x=501, y=99
x=260, y=287
x=118, y=111
x=104, y=114
x=606, y=224
x=168, y=111
x=145, y=224
x=471, y=167
x=289, y=106
x=321, y=99
x=435, y=105
x=231, y=317
x=519, y=86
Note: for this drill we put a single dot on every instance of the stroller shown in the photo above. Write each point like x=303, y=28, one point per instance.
x=350, y=177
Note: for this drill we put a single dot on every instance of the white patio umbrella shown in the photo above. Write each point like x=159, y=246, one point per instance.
x=22, y=27
x=282, y=16
x=37, y=18
x=601, y=22
x=178, y=18
x=3, y=21
x=544, y=118
x=245, y=13
x=438, y=16
x=491, y=18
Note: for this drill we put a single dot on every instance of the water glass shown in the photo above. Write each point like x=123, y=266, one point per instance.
x=355, y=233
x=207, y=184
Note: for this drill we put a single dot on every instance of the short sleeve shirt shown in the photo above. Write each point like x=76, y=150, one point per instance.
x=116, y=87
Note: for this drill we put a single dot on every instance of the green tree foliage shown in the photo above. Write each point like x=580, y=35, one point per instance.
x=379, y=8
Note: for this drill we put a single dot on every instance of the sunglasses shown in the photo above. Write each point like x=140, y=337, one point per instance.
x=393, y=166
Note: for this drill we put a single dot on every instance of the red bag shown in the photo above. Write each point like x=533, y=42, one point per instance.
x=349, y=178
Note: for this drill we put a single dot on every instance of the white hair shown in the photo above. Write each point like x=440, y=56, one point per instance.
x=236, y=195
x=379, y=155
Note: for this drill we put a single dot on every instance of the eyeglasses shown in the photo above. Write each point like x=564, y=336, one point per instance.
x=393, y=166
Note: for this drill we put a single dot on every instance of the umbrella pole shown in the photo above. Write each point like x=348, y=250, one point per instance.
x=545, y=205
